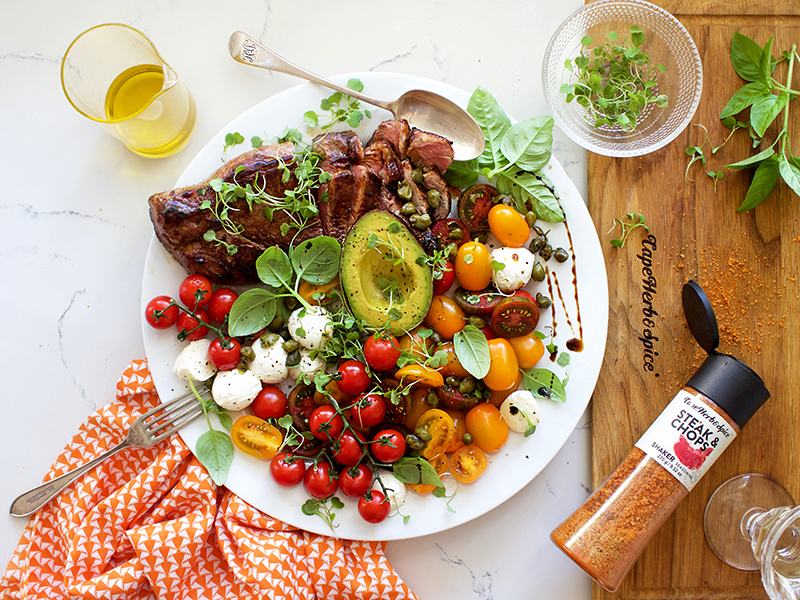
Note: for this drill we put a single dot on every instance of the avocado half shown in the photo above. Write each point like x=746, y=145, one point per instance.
x=380, y=276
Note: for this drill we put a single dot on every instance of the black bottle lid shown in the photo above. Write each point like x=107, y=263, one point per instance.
x=730, y=383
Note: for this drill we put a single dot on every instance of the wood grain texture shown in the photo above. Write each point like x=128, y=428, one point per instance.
x=749, y=265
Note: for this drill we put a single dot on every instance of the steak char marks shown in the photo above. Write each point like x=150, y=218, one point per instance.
x=362, y=179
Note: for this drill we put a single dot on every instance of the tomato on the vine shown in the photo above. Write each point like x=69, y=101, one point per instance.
x=220, y=304
x=348, y=448
x=287, y=469
x=353, y=377
x=503, y=368
x=486, y=426
x=508, y=226
x=443, y=278
x=381, y=351
x=195, y=291
x=191, y=327
x=320, y=480
x=474, y=266
x=225, y=356
x=270, y=403
x=325, y=423
x=445, y=317
x=161, y=312
x=388, y=445
x=374, y=507
x=256, y=437
x=355, y=481
x=368, y=410
x=467, y=463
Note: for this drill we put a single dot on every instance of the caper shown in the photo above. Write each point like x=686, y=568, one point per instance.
x=284, y=333
x=530, y=217
x=560, y=254
x=456, y=233
x=435, y=338
x=452, y=381
x=420, y=222
x=477, y=321
x=247, y=353
x=415, y=443
x=540, y=231
x=417, y=176
x=423, y=434
x=546, y=252
x=451, y=225
x=404, y=190
x=431, y=399
x=291, y=302
x=293, y=359
x=542, y=301
x=481, y=236
x=539, y=242
x=268, y=339
x=467, y=438
x=291, y=345
x=434, y=198
x=452, y=251
x=487, y=394
x=467, y=385
x=241, y=367
x=538, y=273
x=408, y=209
x=276, y=324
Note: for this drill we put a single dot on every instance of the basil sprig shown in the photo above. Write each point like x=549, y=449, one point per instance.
x=472, y=351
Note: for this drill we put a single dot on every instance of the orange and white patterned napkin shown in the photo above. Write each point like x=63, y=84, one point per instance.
x=150, y=523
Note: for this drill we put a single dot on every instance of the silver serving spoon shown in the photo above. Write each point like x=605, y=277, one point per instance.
x=422, y=109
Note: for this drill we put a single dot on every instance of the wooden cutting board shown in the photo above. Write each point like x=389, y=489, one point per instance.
x=749, y=265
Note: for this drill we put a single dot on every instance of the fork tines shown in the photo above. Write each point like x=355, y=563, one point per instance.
x=163, y=420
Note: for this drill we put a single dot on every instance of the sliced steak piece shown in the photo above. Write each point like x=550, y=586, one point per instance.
x=427, y=149
x=382, y=160
x=432, y=180
x=396, y=133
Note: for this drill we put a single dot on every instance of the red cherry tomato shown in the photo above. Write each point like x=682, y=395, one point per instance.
x=225, y=357
x=388, y=445
x=191, y=327
x=374, y=507
x=381, y=351
x=368, y=410
x=160, y=314
x=195, y=291
x=325, y=423
x=270, y=403
x=524, y=294
x=443, y=278
x=354, y=378
x=287, y=470
x=220, y=304
x=355, y=481
x=348, y=448
x=320, y=480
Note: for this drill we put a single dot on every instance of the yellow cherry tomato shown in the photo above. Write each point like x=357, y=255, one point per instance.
x=459, y=419
x=441, y=428
x=508, y=226
x=498, y=396
x=486, y=426
x=256, y=437
x=528, y=348
x=307, y=291
x=420, y=375
x=503, y=368
x=445, y=317
x=467, y=463
x=473, y=266
x=439, y=464
x=416, y=407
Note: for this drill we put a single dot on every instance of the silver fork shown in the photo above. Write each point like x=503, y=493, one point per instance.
x=152, y=427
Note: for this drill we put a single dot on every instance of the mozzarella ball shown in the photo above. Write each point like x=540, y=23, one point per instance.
x=269, y=363
x=395, y=489
x=236, y=389
x=193, y=362
x=315, y=327
x=520, y=410
x=517, y=268
x=307, y=365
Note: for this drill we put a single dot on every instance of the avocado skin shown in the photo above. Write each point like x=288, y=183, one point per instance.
x=361, y=266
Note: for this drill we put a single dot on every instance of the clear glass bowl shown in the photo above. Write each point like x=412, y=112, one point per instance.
x=666, y=41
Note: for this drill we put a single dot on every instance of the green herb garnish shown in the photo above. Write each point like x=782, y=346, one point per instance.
x=634, y=220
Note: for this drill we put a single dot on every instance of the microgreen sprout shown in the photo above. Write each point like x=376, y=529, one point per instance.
x=634, y=220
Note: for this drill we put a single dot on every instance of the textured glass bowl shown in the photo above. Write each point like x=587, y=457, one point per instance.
x=666, y=41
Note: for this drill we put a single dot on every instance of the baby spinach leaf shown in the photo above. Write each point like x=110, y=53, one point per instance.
x=746, y=57
x=214, y=450
x=493, y=121
x=472, y=350
x=253, y=310
x=317, y=260
x=274, y=267
x=528, y=144
x=764, y=181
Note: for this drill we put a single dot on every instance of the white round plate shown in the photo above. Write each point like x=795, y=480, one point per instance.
x=521, y=459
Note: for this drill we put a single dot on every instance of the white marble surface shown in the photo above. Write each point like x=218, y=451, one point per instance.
x=76, y=228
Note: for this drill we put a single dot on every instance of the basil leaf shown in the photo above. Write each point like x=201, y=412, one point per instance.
x=746, y=57
x=530, y=187
x=753, y=160
x=528, y=144
x=764, y=181
x=743, y=98
x=415, y=471
x=215, y=452
x=274, y=268
x=472, y=351
x=492, y=120
x=462, y=174
x=765, y=108
x=252, y=311
x=317, y=260
x=790, y=173
x=544, y=384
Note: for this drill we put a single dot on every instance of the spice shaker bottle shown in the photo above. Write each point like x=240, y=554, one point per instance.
x=610, y=530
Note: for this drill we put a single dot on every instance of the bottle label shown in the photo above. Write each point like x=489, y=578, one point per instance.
x=687, y=438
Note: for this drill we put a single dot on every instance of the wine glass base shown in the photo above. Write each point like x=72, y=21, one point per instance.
x=729, y=505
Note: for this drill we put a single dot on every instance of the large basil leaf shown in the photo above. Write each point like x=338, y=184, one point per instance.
x=215, y=452
x=764, y=181
x=753, y=160
x=746, y=57
x=472, y=350
x=528, y=144
x=744, y=97
x=317, y=260
x=529, y=187
x=544, y=384
x=463, y=174
x=765, y=108
x=274, y=267
x=252, y=311
x=492, y=120
x=790, y=173
x=415, y=471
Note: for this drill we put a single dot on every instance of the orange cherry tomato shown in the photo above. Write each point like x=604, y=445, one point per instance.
x=445, y=317
x=474, y=266
x=439, y=464
x=307, y=291
x=416, y=407
x=453, y=367
x=467, y=463
x=504, y=368
x=508, y=226
x=486, y=426
x=498, y=396
x=412, y=343
x=441, y=428
x=420, y=375
x=459, y=419
x=528, y=348
x=256, y=437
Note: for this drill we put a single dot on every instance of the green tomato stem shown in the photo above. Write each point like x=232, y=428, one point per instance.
x=784, y=133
